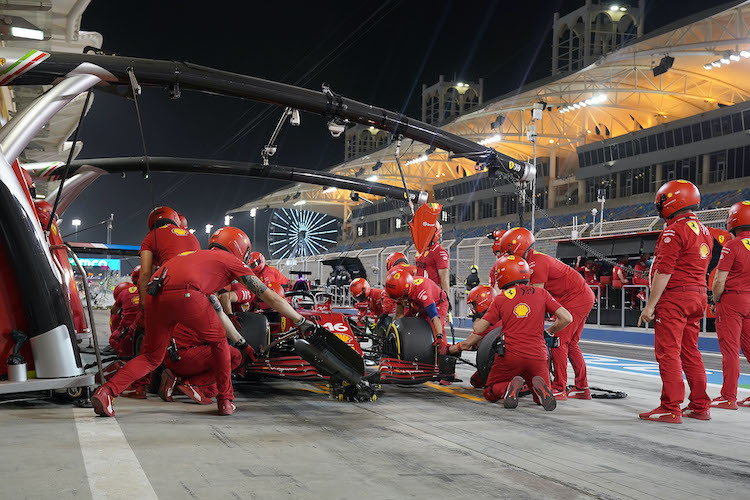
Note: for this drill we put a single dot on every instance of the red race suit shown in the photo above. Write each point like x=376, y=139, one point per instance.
x=270, y=274
x=169, y=241
x=684, y=251
x=733, y=311
x=131, y=318
x=431, y=261
x=521, y=309
x=571, y=291
x=427, y=300
x=190, y=278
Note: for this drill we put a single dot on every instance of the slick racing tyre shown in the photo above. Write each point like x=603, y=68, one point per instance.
x=486, y=353
x=410, y=339
x=255, y=328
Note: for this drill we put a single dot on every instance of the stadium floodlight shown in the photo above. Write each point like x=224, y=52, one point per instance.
x=227, y=219
x=734, y=57
x=614, y=8
x=418, y=159
x=716, y=64
x=208, y=228
x=491, y=139
x=745, y=54
x=664, y=65
x=331, y=189
x=498, y=123
x=300, y=202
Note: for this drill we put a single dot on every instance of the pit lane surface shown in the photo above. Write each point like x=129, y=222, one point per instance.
x=288, y=439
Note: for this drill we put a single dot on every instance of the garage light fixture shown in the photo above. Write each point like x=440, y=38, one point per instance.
x=300, y=202
x=372, y=178
x=591, y=101
x=330, y=190
x=491, y=139
x=418, y=159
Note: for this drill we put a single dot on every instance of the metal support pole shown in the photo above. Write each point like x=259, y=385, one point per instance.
x=533, y=195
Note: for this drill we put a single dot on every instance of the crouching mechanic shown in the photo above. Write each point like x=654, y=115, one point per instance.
x=479, y=300
x=522, y=351
x=178, y=293
x=731, y=292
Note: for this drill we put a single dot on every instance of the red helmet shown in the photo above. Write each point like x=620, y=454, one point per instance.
x=232, y=240
x=395, y=258
x=496, y=248
x=360, y=289
x=119, y=288
x=676, y=195
x=274, y=287
x=183, y=221
x=257, y=262
x=44, y=211
x=739, y=217
x=135, y=274
x=480, y=298
x=161, y=216
x=399, y=283
x=516, y=241
x=511, y=269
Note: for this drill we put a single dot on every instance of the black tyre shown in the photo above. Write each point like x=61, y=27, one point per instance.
x=486, y=352
x=255, y=329
x=138, y=342
x=410, y=339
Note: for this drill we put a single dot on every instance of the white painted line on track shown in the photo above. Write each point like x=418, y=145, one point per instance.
x=112, y=468
x=636, y=346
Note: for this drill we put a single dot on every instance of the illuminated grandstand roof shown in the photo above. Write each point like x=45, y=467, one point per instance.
x=616, y=95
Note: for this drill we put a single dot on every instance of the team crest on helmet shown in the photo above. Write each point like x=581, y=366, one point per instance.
x=133, y=289
x=694, y=226
x=746, y=242
x=704, y=250
x=510, y=293
x=418, y=281
x=521, y=310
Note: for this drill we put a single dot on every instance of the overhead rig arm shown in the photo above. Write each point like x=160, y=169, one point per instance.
x=327, y=103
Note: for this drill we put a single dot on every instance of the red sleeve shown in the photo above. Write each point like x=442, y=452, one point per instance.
x=550, y=304
x=441, y=258
x=118, y=302
x=540, y=271
x=235, y=266
x=423, y=296
x=493, y=312
x=148, y=242
x=492, y=275
x=727, y=258
x=280, y=278
x=668, y=250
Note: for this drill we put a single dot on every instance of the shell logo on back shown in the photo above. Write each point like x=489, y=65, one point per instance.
x=694, y=226
x=704, y=250
x=510, y=293
x=179, y=231
x=521, y=310
x=746, y=242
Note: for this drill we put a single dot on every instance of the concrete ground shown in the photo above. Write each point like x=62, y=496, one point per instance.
x=288, y=440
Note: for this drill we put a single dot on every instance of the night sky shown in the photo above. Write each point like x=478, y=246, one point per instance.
x=379, y=52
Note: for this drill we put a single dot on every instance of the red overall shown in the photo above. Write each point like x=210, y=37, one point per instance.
x=733, y=311
x=196, y=360
x=270, y=274
x=431, y=261
x=169, y=241
x=571, y=291
x=521, y=309
x=128, y=302
x=191, y=277
x=684, y=251
x=424, y=294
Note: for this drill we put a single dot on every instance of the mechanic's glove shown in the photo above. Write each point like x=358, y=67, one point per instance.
x=243, y=346
x=306, y=325
x=441, y=344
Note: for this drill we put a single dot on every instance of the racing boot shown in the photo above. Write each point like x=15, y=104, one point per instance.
x=546, y=398
x=576, y=393
x=167, y=386
x=194, y=393
x=691, y=412
x=137, y=393
x=226, y=407
x=662, y=414
x=560, y=395
x=510, y=400
x=102, y=402
x=745, y=402
x=724, y=403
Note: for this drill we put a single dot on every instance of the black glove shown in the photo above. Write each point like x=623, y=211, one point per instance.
x=307, y=326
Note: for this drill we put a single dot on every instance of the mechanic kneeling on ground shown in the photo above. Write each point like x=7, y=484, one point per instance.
x=521, y=356
x=375, y=302
x=479, y=300
x=178, y=293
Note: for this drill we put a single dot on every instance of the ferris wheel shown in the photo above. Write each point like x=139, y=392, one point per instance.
x=299, y=233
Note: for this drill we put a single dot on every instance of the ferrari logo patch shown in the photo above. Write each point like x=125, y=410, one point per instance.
x=704, y=250
x=521, y=310
x=418, y=281
x=721, y=239
x=694, y=226
x=510, y=293
x=746, y=242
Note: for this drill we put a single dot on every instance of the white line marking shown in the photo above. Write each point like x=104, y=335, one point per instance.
x=634, y=346
x=111, y=466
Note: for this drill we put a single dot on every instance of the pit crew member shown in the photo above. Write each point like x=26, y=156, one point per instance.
x=569, y=288
x=180, y=295
x=731, y=294
x=678, y=301
x=435, y=261
x=267, y=274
